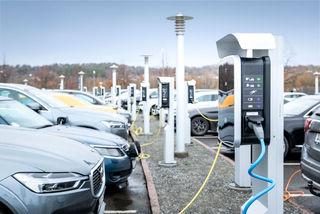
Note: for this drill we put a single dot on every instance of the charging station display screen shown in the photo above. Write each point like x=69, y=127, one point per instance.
x=190, y=93
x=226, y=101
x=117, y=91
x=131, y=91
x=144, y=94
x=165, y=95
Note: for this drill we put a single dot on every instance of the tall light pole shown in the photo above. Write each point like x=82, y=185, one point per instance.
x=146, y=109
x=94, y=78
x=114, y=83
x=182, y=113
x=316, y=82
x=61, y=77
x=81, y=73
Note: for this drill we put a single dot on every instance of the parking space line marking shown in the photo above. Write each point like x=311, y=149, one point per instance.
x=291, y=164
x=120, y=211
x=304, y=195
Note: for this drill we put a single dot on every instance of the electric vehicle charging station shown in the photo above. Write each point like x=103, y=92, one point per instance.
x=132, y=103
x=190, y=88
x=146, y=112
x=102, y=91
x=251, y=107
x=166, y=101
x=118, y=101
x=95, y=91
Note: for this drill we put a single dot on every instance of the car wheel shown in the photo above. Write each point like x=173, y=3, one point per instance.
x=286, y=147
x=153, y=110
x=199, y=126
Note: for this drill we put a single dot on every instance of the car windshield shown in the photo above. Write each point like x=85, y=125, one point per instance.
x=47, y=98
x=88, y=99
x=298, y=106
x=16, y=114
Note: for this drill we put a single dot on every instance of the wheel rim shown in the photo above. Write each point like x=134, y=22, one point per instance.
x=199, y=126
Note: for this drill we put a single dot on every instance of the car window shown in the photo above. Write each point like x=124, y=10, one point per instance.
x=15, y=95
x=299, y=106
x=204, y=98
x=85, y=98
x=17, y=114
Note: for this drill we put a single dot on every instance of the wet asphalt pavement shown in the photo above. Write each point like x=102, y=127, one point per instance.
x=133, y=199
x=307, y=202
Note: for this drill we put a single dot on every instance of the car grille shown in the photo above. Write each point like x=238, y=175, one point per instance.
x=97, y=179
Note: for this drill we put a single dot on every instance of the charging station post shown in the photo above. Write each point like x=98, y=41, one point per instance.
x=118, y=90
x=190, y=88
x=145, y=87
x=166, y=100
x=132, y=100
x=251, y=107
x=114, y=83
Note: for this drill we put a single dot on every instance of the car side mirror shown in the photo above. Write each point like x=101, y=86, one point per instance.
x=34, y=106
x=62, y=120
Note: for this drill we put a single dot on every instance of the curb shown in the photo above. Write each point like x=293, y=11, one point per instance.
x=152, y=193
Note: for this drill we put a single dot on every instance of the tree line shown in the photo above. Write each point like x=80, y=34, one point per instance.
x=298, y=78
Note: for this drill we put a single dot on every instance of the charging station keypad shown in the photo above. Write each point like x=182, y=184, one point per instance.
x=252, y=92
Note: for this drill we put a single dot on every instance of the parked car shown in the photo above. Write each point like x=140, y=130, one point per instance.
x=153, y=102
x=310, y=154
x=42, y=173
x=295, y=114
x=203, y=112
x=73, y=101
x=289, y=96
x=50, y=108
x=201, y=125
x=117, y=152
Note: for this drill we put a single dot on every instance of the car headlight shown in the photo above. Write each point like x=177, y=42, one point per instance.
x=126, y=147
x=105, y=151
x=113, y=124
x=50, y=182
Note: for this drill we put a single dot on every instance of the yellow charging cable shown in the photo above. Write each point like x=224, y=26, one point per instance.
x=205, y=181
x=138, y=131
x=205, y=117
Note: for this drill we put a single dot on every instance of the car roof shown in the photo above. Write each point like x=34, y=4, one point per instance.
x=289, y=93
x=314, y=97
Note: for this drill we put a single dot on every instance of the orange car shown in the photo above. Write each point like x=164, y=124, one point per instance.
x=75, y=102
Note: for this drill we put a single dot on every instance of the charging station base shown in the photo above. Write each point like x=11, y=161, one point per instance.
x=236, y=187
x=181, y=154
x=162, y=163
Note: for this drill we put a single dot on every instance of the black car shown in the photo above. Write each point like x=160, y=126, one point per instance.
x=295, y=114
x=310, y=154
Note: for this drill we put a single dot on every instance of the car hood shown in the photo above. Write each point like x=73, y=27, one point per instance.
x=87, y=114
x=27, y=150
x=87, y=136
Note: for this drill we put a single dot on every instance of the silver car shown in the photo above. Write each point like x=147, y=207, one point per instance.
x=46, y=174
x=52, y=109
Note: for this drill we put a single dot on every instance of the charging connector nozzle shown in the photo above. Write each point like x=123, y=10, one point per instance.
x=255, y=123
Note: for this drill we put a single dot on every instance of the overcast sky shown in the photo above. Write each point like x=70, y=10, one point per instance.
x=46, y=32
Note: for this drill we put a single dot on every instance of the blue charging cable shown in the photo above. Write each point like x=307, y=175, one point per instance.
x=252, y=167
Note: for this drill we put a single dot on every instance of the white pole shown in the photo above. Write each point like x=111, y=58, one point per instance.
x=61, y=82
x=146, y=111
x=181, y=115
x=316, y=83
x=114, y=83
x=81, y=73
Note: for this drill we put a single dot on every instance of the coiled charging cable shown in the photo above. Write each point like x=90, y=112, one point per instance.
x=254, y=123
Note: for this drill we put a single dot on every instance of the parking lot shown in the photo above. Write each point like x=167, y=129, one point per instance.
x=305, y=202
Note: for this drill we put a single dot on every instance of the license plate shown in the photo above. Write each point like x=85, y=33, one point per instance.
x=317, y=140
